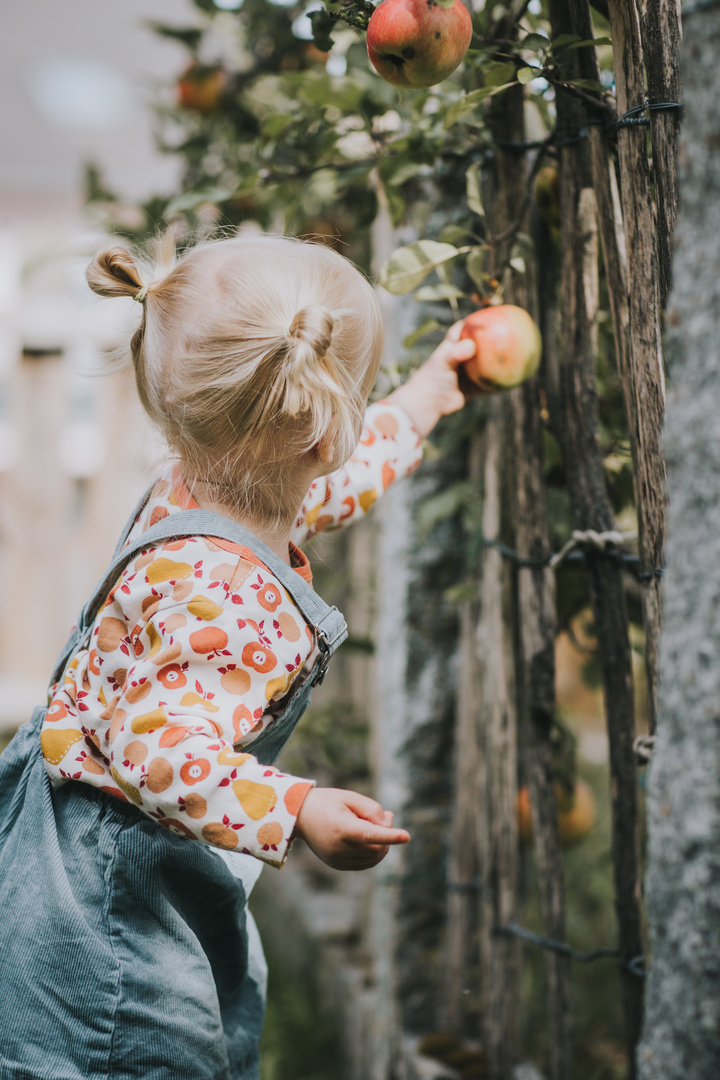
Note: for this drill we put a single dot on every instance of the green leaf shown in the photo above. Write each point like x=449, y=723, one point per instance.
x=563, y=40
x=587, y=84
x=321, y=24
x=499, y=74
x=472, y=190
x=190, y=200
x=429, y=293
x=95, y=188
x=589, y=41
x=276, y=124
x=409, y=266
x=453, y=234
x=466, y=104
x=458, y=594
x=319, y=91
x=518, y=264
x=475, y=266
x=444, y=505
x=444, y=272
x=190, y=36
x=527, y=74
x=534, y=42
x=427, y=326
x=396, y=205
x=406, y=171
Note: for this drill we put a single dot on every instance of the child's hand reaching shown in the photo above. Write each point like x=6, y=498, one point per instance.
x=433, y=390
x=346, y=830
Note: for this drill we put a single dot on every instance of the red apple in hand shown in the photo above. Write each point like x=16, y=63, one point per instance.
x=507, y=347
x=417, y=43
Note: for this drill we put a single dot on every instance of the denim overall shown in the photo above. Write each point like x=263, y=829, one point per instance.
x=127, y=952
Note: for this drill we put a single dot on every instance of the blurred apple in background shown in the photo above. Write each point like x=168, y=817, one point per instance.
x=202, y=87
x=575, y=812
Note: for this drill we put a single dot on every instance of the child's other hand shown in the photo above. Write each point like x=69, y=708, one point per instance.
x=433, y=391
x=346, y=830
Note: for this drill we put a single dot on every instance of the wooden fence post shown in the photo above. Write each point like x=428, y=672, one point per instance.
x=577, y=428
x=535, y=589
x=644, y=377
x=468, y=798
x=536, y=706
x=660, y=27
x=498, y=841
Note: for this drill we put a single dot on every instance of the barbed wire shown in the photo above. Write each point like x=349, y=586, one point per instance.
x=636, y=965
x=630, y=118
x=643, y=746
x=581, y=543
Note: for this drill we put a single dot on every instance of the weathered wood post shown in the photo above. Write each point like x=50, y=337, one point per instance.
x=644, y=376
x=577, y=429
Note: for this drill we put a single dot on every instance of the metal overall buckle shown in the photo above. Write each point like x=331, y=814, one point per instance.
x=326, y=646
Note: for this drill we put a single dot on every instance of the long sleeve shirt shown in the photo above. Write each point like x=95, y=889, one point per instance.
x=194, y=645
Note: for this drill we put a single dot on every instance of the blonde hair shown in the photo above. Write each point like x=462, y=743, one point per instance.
x=251, y=351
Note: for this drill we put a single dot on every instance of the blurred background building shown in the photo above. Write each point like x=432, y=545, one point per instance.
x=75, y=449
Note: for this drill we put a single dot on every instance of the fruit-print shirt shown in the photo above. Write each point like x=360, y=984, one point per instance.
x=195, y=644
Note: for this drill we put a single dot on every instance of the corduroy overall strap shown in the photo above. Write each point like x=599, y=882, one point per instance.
x=328, y=622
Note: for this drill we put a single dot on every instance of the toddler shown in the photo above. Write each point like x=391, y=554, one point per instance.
x=137, y=809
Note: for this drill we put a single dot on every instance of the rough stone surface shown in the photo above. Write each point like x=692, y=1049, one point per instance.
x=681, y=1035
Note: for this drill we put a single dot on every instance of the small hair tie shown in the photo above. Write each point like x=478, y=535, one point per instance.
x=141, y=294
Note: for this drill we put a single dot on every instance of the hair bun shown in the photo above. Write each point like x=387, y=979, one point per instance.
x=312, y=328
x=113, y=272
x=304, y=379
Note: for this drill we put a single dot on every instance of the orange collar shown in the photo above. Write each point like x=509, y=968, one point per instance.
x=185, y=500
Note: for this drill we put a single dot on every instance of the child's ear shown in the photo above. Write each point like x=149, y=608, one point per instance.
x=326, y=448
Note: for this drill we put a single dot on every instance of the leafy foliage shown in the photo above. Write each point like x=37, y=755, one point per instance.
x=304, y=133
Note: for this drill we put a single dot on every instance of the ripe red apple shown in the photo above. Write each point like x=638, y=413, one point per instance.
x=576, y=812
x=507, y=347
x=417, y=43
x=201, y=87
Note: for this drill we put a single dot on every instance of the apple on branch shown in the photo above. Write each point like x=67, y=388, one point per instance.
x=418, y=43
x=201, y=87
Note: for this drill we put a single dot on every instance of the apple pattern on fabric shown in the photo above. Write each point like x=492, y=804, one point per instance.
x=194, y=645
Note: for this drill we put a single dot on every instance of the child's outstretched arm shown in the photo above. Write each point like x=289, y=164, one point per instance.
x=433, y=390
x=346, y=830
x=390, y=445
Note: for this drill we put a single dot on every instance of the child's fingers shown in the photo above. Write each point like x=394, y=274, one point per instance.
x=453, y=333
x=365, y=807
x=460, y=351
x=453, y=353
x=372, y=824
x=366, y=833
